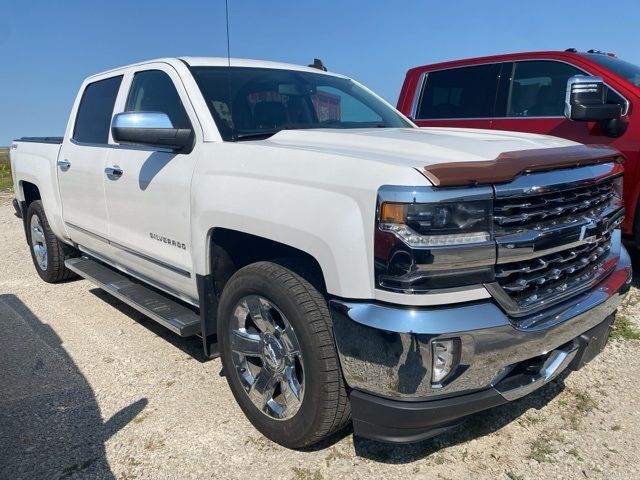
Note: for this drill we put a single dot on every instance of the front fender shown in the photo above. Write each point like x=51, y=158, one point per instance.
x=327, y=225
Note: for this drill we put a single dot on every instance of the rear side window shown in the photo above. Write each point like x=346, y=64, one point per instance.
x=154, y=91
x=93, y=119
x=538, y=88
x=467, y=92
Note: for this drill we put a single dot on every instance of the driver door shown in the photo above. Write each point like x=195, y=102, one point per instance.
x=148, y=197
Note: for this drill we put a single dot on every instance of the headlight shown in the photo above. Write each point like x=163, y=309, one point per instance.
x=430, y=225
x=421, y=246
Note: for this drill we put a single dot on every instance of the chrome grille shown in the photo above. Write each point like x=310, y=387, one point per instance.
x=537, y=280
x=551, y=207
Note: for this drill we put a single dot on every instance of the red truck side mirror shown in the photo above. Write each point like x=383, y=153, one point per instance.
x=586, y=100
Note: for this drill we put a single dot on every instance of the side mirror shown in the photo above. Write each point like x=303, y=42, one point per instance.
x=150, y=128
x=586, y=100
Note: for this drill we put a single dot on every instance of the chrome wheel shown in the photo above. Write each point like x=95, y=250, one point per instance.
x=38, y=242
x=267, y=357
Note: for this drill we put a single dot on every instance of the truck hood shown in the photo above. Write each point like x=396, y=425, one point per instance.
x=413, y=147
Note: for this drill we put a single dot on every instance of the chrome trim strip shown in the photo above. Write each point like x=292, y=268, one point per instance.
x=160, y=263
x=157, y=262
x=422, y=81
x=558, y=361
x=557, y=180
x=118, y=146
x=132, y=119
x=426, y=194
x=416, y=320
x=87, y=232
x=525, y=245
x=417, y=96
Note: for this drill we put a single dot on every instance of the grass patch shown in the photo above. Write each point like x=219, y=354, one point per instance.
x=439, y=460
x=575, y=453
x=6, y=181
x=579, y=404
x=139, y=418
x=261, y=443
x=542, y=449
x=334, y=454
x=624, y=329
x=306, y=474
x=530, y=420
x=154, y=443
x=514, y=476
x=585, y=403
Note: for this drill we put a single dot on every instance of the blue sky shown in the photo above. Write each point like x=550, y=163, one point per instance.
x=47, y=48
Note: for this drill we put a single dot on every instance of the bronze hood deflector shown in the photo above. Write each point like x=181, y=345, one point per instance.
x=509, y=165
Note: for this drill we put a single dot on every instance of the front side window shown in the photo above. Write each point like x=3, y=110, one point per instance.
x=467, y=92
x=538, y=88
x=154, y=91
x=93, y=119
x=253, y=103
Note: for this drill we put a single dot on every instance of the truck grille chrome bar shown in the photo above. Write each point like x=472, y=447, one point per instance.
x=554, y=241
x=533, y=281
x=546, y=207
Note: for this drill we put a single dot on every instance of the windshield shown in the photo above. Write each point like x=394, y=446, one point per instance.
x=252, y=103
x=626, y=70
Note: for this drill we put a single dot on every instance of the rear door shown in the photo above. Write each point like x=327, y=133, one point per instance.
x=149, y=203
x=81, y=166
x=458, y=97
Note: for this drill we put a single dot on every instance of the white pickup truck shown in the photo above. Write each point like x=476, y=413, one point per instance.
x=345, y=264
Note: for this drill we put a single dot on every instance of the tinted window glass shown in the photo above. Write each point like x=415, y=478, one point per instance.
x=154, y=91
x=625, y=69
x=254, y=103
x=538, y=88
x=93, y=119
x=468, y=92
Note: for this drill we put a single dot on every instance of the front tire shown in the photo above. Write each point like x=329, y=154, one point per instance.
x=279, y=356
x=47, y=251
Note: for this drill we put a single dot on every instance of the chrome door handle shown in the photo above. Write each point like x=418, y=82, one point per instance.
x=114, y=172
x=64, y=165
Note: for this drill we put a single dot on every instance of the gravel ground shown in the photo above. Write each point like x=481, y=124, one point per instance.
x=91, y=389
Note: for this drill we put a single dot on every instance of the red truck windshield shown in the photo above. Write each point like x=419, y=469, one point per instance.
x=626, y=70
x=250, y=103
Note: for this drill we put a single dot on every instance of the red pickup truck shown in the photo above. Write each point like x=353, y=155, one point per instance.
x=530, y=92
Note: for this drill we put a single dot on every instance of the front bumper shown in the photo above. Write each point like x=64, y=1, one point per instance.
x=385, y=356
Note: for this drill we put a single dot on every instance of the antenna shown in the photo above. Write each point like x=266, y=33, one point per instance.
x=230, y=105
x=226, y=11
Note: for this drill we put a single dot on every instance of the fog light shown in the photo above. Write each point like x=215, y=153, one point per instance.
x=444, y=359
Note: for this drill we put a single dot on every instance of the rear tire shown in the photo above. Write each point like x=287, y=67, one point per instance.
x=47, y=251
x=296, y=337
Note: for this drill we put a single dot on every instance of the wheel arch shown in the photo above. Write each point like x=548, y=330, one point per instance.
x=229, y=250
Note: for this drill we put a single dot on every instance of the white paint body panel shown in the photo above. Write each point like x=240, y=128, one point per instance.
x=314, y=190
